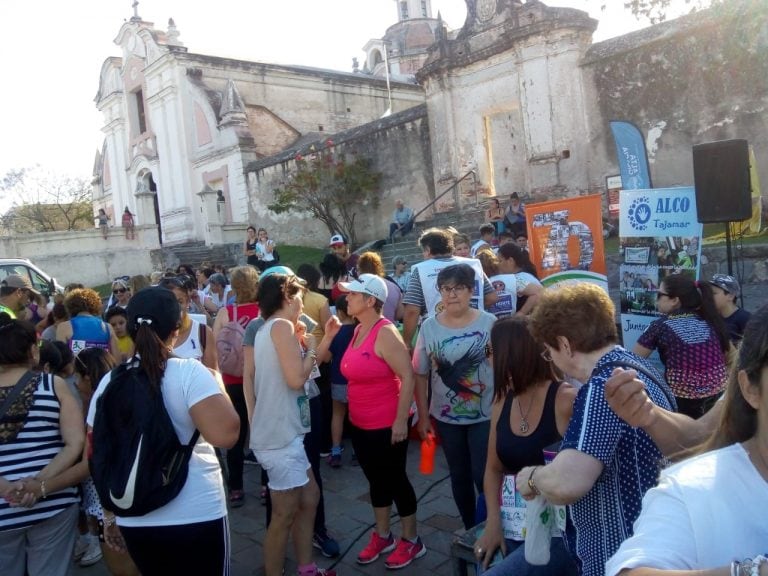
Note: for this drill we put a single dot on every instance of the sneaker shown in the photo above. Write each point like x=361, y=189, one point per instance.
x=236, y=498
x=375, y=548
x=325, y=453
x=92, y=555
x=335, y=460
x=81, y=547
x=405, y=553
x=327, y=545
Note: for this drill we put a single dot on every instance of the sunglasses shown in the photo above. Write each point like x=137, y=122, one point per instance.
x=119, y=290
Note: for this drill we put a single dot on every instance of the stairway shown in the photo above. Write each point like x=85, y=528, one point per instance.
x=193, y=253
x=466, y=221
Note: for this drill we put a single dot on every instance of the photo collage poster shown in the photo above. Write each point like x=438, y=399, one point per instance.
x=658, y=235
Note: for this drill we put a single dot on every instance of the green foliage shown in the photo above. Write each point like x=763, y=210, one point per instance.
x=655, y=11
x=332, y=188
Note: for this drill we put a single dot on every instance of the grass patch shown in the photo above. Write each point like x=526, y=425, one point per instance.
x=294, y=256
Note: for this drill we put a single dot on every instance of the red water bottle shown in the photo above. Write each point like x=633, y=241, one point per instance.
x=427, y=464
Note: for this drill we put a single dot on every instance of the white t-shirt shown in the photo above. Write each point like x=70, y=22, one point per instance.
x=185, y=383
x=705, y=512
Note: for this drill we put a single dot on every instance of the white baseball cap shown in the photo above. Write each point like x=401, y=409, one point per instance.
x=337, y=240
x=369, y=284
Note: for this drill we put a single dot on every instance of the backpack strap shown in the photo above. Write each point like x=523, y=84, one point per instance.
x=202, y=334
x=15, y=391
x=194, y=438
x=661, y=383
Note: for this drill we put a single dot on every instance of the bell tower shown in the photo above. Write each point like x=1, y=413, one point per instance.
x=410, y=9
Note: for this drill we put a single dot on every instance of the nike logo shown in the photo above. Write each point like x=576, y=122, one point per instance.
x=126, y=501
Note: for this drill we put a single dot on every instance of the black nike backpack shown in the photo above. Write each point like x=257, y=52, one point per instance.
x=137, y=462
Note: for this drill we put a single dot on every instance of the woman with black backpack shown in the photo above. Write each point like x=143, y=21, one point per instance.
x=189, y=533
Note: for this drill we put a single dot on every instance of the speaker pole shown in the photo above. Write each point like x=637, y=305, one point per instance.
x=728, y=248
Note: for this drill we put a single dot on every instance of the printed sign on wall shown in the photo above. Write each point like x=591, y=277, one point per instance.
x=659, y=235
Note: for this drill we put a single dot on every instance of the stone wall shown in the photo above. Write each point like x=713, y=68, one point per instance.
x=399, y=147
x=700, y=78
x=83, y=255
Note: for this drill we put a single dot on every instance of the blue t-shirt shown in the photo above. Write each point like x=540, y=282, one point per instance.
x=339, y=345
x=603, y=518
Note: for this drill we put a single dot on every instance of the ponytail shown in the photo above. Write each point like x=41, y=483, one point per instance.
x=153, y=354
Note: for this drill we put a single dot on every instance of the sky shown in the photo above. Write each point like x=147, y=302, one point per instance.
x=51, y=52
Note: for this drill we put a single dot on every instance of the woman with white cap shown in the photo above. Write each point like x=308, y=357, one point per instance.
x=380, y=391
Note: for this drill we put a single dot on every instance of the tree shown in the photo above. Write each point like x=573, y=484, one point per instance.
x=330, y=187
x=655, y=11
x=45, y=202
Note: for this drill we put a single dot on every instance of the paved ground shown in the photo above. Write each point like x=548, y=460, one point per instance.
x=349, y=517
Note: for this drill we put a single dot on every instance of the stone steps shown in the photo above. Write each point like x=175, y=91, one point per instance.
x=467, y=222
x=195, y=253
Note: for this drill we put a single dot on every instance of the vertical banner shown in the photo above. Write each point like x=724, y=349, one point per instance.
x=633, y=160
x=658, y=235
x=565, y=239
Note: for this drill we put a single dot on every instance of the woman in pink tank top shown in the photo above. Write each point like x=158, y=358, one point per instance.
x=380, y=391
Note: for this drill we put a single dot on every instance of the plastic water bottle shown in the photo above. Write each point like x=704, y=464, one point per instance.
x=427, y=463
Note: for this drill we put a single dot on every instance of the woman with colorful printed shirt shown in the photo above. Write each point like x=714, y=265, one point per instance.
x=692, y=342
x=454, y=346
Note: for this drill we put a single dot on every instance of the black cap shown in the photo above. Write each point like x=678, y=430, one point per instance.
x=156, y=307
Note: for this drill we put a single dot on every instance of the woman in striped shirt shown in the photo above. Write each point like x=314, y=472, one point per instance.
x=41, y=434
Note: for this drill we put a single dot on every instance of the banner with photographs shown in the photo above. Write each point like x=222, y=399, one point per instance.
x=565, y=239
x=658, y=235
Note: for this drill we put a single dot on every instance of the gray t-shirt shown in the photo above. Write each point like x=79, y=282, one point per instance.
x=281, y=413
x=461, y=370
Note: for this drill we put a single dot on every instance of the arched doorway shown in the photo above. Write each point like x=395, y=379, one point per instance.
x=145, y=188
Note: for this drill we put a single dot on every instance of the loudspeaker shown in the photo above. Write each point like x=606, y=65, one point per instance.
x=721, y=176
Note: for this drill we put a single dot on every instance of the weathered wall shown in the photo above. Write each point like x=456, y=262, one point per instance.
x=699, y=78
x=399, y=148
x=84, y=256
x=506, y=97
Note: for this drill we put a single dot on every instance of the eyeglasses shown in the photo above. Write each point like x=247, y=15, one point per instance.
x=452, y=290
x=119, y=291
x=546, y=355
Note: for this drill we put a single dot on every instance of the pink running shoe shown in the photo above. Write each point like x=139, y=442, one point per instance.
x=405, y=553
x=375, y=548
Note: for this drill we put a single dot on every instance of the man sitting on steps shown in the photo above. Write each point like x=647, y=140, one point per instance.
x=402, y=220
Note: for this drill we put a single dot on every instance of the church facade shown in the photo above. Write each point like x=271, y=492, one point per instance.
x=180, y=127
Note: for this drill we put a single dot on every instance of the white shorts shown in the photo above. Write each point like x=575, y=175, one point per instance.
x=286, y=467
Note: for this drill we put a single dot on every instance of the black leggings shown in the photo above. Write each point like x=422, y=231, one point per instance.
x=384, y=466
x=235, y=455
x=201, y=548
x=696, y=407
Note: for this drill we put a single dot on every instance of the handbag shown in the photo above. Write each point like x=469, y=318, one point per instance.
x=12, y=424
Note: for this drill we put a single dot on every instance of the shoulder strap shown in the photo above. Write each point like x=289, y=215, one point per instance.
x=15, y=391
x=661, y=383
x=202, y=334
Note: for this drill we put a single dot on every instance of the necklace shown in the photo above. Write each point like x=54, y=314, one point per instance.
x=524, y=427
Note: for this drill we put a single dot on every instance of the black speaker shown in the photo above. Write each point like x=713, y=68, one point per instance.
x=721, y=176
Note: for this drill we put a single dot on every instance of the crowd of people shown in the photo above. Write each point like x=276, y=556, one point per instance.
x=528, y=390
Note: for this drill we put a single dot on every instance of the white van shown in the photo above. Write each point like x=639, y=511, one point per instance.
x=42, y=282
